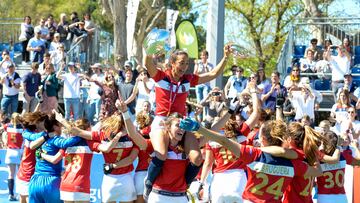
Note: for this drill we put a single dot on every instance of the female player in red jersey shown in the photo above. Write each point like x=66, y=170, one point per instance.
x=171, y=91
x=268, y=176
x=14, y=143
x=143, y=120
x=304, y=141
x=229, y=178
x=331, y=183
x=118, y=183
x=171, y=183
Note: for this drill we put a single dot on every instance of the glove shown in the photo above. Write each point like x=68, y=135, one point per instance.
x=38, y=153
x=280, y=100
x=189, y=125
x=147, y=190
x=108, y=168
x=234, y=106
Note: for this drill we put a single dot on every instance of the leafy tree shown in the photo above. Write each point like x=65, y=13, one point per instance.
x=266, y=24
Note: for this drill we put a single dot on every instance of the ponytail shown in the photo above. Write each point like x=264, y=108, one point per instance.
x=312, y=140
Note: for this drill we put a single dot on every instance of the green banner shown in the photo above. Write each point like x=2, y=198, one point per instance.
x=186, y=38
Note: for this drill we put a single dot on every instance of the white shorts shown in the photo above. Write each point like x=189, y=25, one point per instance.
x=139, y=182
x=74, y=196
x=228, y=186
x=332, y=198
x=22, y=187
x=13, y=156
x=118, y=188
x=157, y=198
x=157, y=122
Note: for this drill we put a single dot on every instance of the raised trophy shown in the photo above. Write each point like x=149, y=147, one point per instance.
x=238, y=51
x=157, y=42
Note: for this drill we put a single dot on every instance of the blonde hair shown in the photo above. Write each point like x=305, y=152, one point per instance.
x=112, y=124
x=15, y=119
x=274, y=132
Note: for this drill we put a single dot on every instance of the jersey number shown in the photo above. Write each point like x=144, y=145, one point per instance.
x=74, y=163
x=308, y=187
x=13, y=138
x=274, y=189
x=226, y=155
x=119, y=153
x=331, y=181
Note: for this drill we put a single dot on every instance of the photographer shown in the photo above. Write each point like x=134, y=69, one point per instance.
x=11, y=84
x=303, y=102
x=214, y=101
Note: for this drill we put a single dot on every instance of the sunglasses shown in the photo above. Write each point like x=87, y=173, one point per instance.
x=240, y=71
x=351, y=111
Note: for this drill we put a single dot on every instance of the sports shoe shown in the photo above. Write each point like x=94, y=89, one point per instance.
x=12, y=198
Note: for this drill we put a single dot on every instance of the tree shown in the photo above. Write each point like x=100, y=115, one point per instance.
x=266, y=24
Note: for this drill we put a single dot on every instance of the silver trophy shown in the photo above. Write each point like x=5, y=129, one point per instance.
x=238, y=51
x=157, y=42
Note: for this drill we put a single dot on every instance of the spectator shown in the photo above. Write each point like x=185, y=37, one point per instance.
x=202, y=66
x=143, y=87
x=31, y=83
x=324, y=126
x=214, y=101
x=235, y=84
x=6, y=61
x=51, y=26
x=71, y=90
x=45, y=33
x=58, y=56
x=340, y=108
x=11, y=85
x=271, y=91
x=50, y=86
x=262, y=80
x=45, y=63
x=94, y=96
x=62, y=29
x=351, y=125
x=293, y=80
x=109, y=94
x=307, y=65
x=327, y=44
x=303, y=103
x=346, y=43
x=55, y=43
x=306, y=121
x=36, y=46
x=349, y=86
x=89, y=25
x=126, y=89
x=317, y=52
x=26, y=33
x=323, y=67
x=340, y=65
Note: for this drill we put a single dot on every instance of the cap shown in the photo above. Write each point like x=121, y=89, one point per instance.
x=347, y=74
x=37, y=30
x=71, y=63
x=10, y=65
x=128, y=63
x=57, y=34
x=96, y=65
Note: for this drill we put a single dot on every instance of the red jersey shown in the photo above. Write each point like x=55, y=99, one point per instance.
x=121, y=150
x=77, y=173
x=27, y=164
x=332, y=180
x=171, y=96
x=224, y=159
x=144, y=157
x=299, y=190
x=14, y=137
x=172, y=175
x=268, y=176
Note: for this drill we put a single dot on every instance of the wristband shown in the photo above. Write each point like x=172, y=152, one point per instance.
x=126, y=115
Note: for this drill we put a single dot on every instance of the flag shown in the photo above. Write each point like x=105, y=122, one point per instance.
x=171, y=17
x=186, y=38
